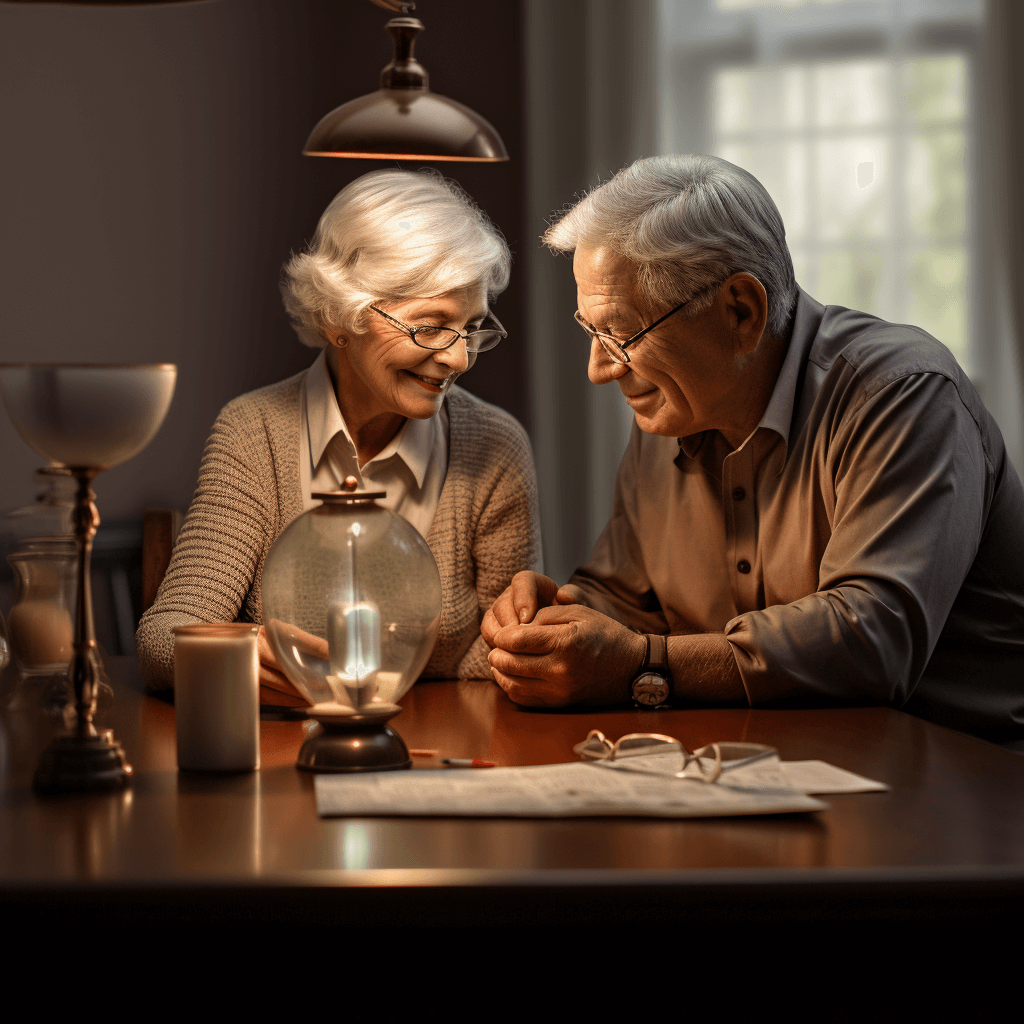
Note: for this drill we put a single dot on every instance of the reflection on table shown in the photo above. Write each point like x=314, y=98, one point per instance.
x=949, y=828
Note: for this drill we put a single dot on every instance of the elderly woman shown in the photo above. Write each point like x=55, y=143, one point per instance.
x=395, y=290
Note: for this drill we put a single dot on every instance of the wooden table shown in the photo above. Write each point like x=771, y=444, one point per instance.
x=948, y=840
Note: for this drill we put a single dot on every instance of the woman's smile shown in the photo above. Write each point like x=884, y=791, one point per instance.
x=382, y=375
x=434, y=384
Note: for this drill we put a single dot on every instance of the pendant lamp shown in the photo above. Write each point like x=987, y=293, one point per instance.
x=403, y=119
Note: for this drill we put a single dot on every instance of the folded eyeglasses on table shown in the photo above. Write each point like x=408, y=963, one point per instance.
x=705, y=765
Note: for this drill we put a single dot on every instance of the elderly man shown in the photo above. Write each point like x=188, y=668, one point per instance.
x=813, y=502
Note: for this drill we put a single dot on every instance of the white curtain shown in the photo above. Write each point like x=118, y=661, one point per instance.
x=1000, y=111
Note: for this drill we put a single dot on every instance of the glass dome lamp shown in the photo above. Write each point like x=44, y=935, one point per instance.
x=351, y=606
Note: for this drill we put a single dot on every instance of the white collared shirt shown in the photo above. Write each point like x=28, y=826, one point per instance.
x=411, y=467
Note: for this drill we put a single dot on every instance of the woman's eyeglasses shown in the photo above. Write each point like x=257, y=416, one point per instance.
x=437, y=339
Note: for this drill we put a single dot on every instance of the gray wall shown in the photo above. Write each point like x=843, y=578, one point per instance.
x=152, y=185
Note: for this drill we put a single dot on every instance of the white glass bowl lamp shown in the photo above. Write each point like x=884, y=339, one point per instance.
x=87, y=417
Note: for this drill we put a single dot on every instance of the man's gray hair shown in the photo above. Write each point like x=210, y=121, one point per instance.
x=387, y=236
x=687, y=223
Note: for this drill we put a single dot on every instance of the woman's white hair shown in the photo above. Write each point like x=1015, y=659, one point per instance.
x=687, y=223
x=387, y=236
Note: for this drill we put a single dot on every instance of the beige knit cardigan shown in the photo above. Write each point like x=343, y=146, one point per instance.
x=485, y=530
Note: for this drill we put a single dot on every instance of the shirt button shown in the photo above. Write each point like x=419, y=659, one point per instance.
x=738, y=494
x=743, y=565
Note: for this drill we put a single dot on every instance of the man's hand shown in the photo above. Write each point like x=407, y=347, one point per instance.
x=568, y=654
x=274, y=686
x=525, y=595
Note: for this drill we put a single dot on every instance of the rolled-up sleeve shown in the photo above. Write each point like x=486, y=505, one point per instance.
x=908, y=485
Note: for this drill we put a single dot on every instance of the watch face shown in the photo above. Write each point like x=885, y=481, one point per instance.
x=651, y=689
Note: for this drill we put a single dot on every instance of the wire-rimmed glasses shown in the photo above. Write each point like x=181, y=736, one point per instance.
x=705, y=764
x=437, y=339
x=617, y=349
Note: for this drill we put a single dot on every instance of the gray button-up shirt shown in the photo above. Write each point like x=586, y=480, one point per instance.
x=865, y=542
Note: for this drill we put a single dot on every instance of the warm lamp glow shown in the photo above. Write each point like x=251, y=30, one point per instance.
x=404, y=120
x=409, y=156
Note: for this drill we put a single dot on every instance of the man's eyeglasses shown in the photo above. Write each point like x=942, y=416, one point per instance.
x=437, y=339
x=617, y=349
x=705, y=764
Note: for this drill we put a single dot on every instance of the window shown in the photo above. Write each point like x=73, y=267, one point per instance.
x=855, y=116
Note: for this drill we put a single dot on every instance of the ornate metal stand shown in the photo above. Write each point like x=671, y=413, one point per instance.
x=84, y=760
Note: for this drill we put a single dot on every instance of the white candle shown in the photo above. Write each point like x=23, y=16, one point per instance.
x=217, y=697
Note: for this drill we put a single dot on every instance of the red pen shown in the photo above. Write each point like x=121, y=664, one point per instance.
x=466, y=762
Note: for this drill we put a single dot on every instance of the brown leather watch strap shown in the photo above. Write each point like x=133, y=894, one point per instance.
x=647, y=652
x=657, y=654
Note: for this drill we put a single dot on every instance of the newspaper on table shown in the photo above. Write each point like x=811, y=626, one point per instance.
x=820, y=777
x=643, y=786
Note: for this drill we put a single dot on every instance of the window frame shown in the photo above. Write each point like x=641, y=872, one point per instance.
x=698, y=41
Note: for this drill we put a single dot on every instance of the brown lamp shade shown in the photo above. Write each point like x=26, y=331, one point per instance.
x=405, y=124
x=404, y=120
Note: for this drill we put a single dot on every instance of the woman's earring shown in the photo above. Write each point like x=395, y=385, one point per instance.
x=340, y=341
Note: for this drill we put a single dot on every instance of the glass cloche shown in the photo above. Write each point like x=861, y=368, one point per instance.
x=351, y=606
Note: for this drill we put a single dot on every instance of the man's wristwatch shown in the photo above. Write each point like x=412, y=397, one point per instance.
x=652, y=687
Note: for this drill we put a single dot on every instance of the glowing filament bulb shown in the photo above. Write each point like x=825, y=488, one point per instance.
x=353, y=640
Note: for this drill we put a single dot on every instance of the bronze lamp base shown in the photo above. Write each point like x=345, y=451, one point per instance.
x=356, y=741
x=82, y=764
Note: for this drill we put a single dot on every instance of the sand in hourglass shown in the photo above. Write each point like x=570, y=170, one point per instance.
x=42, y=635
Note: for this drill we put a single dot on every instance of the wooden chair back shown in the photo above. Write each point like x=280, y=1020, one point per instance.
x=160, y=527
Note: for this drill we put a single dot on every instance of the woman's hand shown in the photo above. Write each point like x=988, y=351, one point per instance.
x=523, y=598
x=274, y=686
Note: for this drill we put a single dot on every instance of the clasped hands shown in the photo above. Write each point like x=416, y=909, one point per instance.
x=552, y=649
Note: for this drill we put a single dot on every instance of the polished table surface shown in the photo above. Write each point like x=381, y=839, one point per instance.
x=947, y=839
